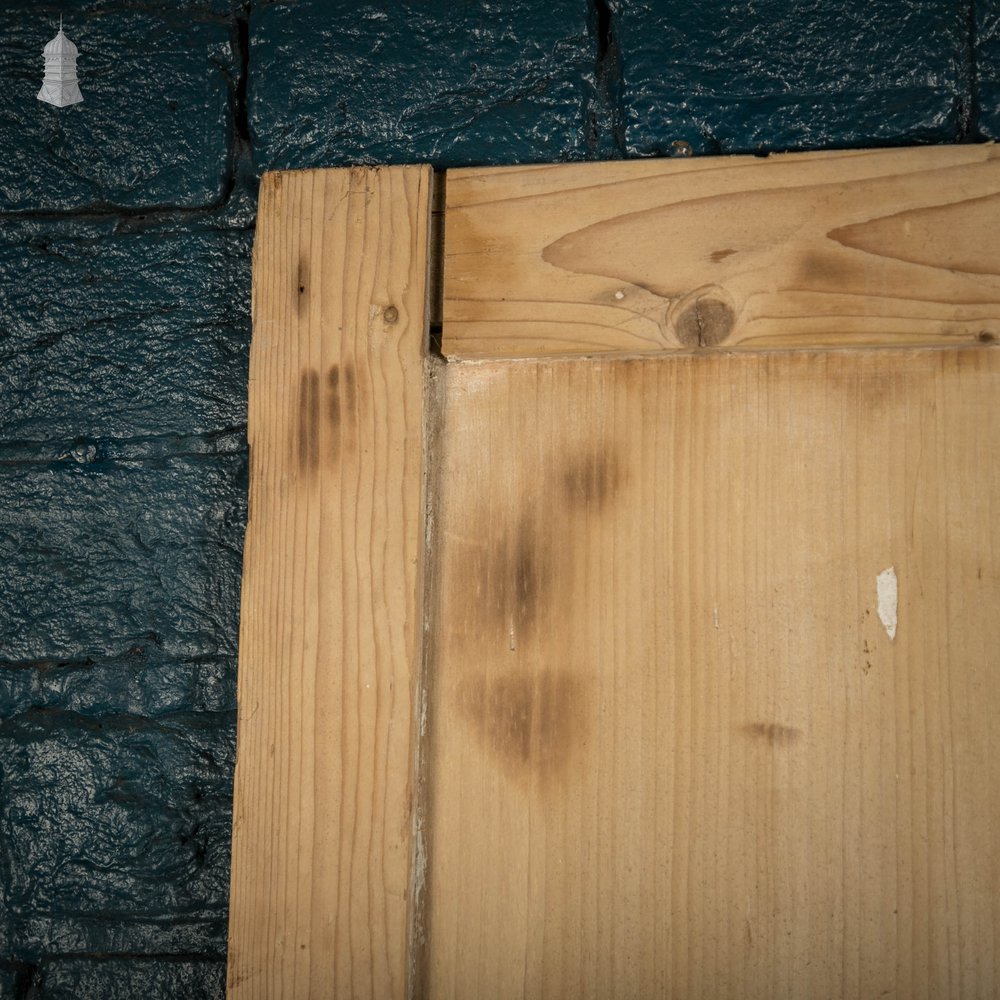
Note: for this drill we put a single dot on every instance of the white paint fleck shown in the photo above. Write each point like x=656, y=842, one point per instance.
x=715, y=617
x=619, y=295
x=887, y=591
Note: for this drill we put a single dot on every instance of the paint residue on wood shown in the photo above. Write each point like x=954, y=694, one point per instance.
x=886, y=590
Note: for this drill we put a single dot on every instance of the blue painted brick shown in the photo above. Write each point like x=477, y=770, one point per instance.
x=139, y=682
x=154, y=127
x=114, y=821
x=473, y=81
x=133, y=979
x=14, y=979
x=987, y=57
x=730, y=77
x=104, y=334
x=62, y=931
x=104, y=556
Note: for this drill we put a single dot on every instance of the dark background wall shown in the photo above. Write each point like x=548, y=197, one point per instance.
x=126, y=226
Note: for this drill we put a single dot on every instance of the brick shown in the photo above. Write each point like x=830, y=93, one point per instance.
x=777, y=75
x=105, y=556
x=154, y=127
x=139, y=682
x=987, y=56
x=111, y=932
x=133, y=979
x=121, y=335
x=481, y=81
x=114, y=819
x=16, y=979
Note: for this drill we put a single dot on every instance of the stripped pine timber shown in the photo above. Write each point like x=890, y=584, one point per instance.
x=881, y=247
x=330, y=626
x=673, y=750
x=706, y=636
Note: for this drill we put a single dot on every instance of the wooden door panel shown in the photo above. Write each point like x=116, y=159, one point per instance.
x=854, y=248
x=673, y=750
x=330, y=619
x=614, y=653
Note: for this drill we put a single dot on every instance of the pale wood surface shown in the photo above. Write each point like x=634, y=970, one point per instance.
x=330, y=627
x=881, y=247
x=673, y=752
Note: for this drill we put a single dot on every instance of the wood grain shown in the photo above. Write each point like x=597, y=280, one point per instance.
x=673, y=751
x=881, y=247
x=331, y=611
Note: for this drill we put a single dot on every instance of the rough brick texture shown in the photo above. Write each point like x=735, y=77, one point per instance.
x=105, y=819
x=986, y=70
x=125, y=239
x=121, y=336
x=141, y=681
x=726, y=77
x=477, y=81
x=114, y=980
x=154, y=126
x=103, y=556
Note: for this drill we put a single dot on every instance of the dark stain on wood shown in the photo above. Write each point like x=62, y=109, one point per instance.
x=707, y=322
x=509, y=572
x=869, y=390
x=772, y=733
x=302, y=285
x=349, y=389
x=307, y=428
x=333, y=393
x=534, y=724
x=333, y=409
x=593, y=479
x=519, y=575
x=875, y=390
x=828, y=272
x=717, y=256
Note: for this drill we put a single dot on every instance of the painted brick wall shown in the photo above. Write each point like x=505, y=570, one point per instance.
x=126, y=225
